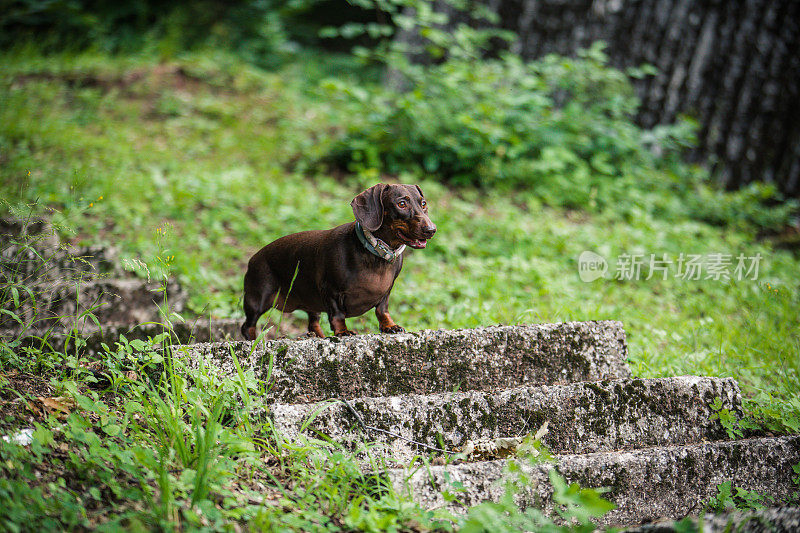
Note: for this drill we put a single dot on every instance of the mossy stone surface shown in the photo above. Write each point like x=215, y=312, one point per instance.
x=425, y=362
x=646, y=485
x=582, y=417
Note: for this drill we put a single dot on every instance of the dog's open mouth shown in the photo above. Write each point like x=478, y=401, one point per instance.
x=414, y=243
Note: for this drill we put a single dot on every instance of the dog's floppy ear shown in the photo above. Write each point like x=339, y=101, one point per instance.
x=368, y=207
x=420, y=190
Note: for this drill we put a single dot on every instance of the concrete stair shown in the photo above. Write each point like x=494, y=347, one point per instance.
x=58, y=285
x=768, y=520
x=582, y=417
x=492, y=358
x=188, y=332
x=37, y=263
x=111, y=301
x=646, y=484
x=651, y=443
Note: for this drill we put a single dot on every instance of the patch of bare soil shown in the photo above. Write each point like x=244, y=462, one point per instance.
x=24, y=399
x=162, y=76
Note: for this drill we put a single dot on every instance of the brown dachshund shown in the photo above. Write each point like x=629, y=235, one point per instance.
x=344, y=271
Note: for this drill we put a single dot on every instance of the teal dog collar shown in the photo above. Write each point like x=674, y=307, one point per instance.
x=376, y=246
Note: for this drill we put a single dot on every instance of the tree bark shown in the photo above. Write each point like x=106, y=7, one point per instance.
x=732, y=64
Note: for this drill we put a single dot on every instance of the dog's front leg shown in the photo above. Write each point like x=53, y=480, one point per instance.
x=385, y=321
x=313, y=326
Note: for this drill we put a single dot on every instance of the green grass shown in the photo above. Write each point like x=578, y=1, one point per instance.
x=188, y=165
x=200, y=146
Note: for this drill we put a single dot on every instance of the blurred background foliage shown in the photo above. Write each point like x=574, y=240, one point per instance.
x=259, y=31
x=478, y=114
x=475, y=114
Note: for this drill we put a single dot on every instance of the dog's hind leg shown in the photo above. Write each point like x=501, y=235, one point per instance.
x=251, y=317
x=260, y=291
x=336, y=316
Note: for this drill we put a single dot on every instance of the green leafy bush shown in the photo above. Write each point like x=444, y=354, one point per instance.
x=502, y=121
x=730, y=498
x=457, y=109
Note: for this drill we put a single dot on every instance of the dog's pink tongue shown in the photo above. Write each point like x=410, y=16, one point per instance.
x=419, y=243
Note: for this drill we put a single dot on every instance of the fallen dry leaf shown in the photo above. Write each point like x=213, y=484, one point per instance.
x=59, y=403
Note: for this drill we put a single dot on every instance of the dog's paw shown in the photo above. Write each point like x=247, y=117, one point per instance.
x=393, y=329
x=345, y=333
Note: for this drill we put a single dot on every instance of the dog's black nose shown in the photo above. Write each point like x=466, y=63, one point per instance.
x=428, y=231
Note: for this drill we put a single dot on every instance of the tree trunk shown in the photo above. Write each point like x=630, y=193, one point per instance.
x=732, y=64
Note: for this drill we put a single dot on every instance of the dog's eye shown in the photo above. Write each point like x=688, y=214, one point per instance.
x=423, y=203
x=402, y=204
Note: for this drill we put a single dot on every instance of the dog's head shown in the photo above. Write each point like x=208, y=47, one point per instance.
x=396, y=214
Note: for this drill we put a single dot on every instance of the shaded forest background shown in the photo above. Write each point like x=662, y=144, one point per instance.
x=732, y=66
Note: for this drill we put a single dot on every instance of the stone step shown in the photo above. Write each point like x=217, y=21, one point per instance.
x=26, y=229
x=784, y=519
x=492, y=358
x=30, y=250
x=55, y=283
x=191, y=331
x=582, y=417
x=646, y=485
x=34, y=264
x=111, y=301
